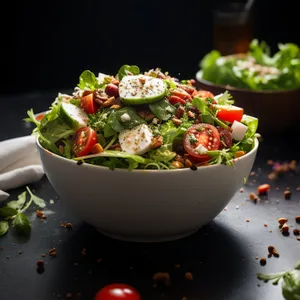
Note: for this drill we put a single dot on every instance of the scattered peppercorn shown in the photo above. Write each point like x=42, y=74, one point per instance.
x=40, y=264
x=297, y=219
x=265, y=225
x=270, y=249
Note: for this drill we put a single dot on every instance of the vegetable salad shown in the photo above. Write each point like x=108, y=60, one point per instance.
x=147, y=120
x=257, y=70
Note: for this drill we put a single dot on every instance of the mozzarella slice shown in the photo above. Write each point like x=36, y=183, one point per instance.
x=139, y=89
x=238, y=130
x=136, y=140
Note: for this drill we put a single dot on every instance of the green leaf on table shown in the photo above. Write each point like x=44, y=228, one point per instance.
x=21, y=224
x=291, y=285
x=7, y=211
x=18, y=204
x=3, y=227
x=37, y=200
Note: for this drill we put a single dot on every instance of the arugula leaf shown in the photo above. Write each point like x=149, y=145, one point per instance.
x=117, y=154
x=116, y=123
x=31, y=118
x=290, y=281
x=162, y=154
x=21, y=224
x=207, y=113
x=251, y=123
x=7, y=211
x=3, y=227
x=162, y=109
x=37, y=200
x=224, y=98
x=291, y=285
x=88, y=80
x=128, y=70
x=18, y=204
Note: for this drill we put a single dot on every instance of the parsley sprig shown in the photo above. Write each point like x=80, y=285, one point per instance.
x=12, y=214
x=290, y=281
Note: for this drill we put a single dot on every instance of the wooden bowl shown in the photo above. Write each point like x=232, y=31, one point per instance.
x=277, y=111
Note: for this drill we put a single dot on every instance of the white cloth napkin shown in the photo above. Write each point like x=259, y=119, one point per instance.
x=19, y=164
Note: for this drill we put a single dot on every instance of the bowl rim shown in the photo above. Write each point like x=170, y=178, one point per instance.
x=242, y=90
x=87, y=165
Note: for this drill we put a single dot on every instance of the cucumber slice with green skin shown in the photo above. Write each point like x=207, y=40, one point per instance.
x=141, y=89
x=74, y=116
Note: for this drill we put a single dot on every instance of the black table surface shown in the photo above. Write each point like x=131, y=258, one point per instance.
x=222, y=256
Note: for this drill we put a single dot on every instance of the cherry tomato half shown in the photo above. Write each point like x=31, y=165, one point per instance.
x=175, y=99
x=230, y=113
x=83, y=141
x=200, y=138
x=225, y=137
x=118, y=291
x=88, y=104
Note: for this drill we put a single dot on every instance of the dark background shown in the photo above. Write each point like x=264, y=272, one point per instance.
x=52, y=42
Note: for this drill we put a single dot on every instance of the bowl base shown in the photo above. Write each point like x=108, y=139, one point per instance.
x=148, y=239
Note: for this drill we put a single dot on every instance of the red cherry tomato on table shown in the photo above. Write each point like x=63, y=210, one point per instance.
x=225, y=137
x=88, y=104
x=118, y=291
x=83, y=141
x=230, y=113
x=200, y=137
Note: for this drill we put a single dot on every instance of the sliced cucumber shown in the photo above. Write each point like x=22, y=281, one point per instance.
x=140, y=89
x=74, y=116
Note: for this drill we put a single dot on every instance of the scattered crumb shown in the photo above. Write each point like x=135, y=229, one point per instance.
x=188, y=276
x=52, y=252
x=277, y=188
x=272, y=176
x=270, y=162
x=43, y=255
x=270, y=230
x=282, y=221
x=247, y=220
x=298, y=188
x=161, y=277
x=298, y=239
x=177, y=266
x=263, y=261
x=285, y=227
x=252, y=173
x=297, y=219
x=40, y=264
x=237, y=207
x=69, y=225
x=256, y=257
x=287, y=194
x=225, y=208
x=241, y=190
x=265, y=225
x=296, y=231
x=253, y=197
x=40, y=214
x=51, y=201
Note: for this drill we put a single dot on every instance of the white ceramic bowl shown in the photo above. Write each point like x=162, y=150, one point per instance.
x=145, y=205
